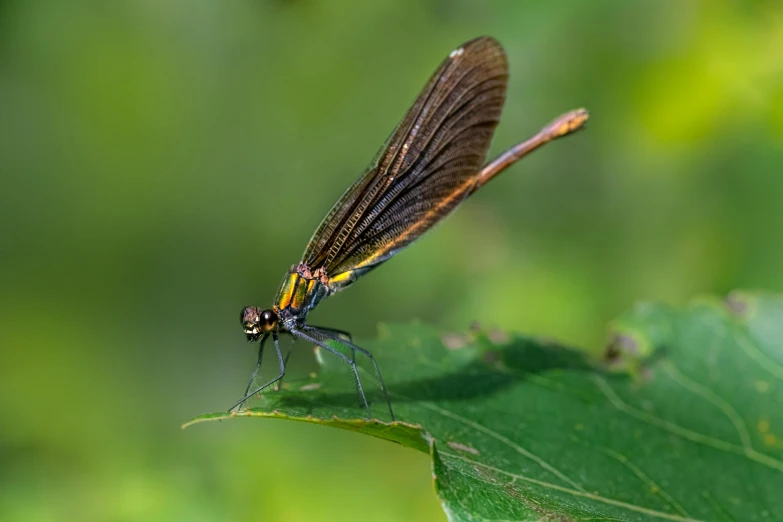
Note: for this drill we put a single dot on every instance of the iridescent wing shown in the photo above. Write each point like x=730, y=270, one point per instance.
x=423, y=171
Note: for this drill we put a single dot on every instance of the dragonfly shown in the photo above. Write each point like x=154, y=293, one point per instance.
x=432, y=161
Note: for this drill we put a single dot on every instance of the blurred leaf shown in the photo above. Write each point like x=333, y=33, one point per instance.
x=682, y=419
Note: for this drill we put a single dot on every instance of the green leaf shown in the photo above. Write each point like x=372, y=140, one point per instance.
x=682, y=418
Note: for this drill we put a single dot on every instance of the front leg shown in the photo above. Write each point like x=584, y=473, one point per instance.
x=276, y=379
x=255, y=372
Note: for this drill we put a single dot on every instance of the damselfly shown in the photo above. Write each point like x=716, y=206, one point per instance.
x=428, y=166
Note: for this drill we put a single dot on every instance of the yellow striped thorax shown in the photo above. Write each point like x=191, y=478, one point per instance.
x=298, y=295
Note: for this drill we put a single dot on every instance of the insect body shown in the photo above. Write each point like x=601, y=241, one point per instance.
x=428, y=166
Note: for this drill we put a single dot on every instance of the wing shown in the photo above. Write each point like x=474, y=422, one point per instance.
x=423, y=171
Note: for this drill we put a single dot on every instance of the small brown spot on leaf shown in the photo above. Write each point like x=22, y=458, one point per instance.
x=611, y=353
x=625, y=350
x=498, y=336
x=454, y=341
x=736, y=304
x=463, y=447
x=623, y=343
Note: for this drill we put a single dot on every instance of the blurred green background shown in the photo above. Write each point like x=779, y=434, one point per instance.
x=163, y=163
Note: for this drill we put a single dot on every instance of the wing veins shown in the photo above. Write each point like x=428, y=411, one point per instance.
x=424, y=170
x=377, y=211
x=378, y=179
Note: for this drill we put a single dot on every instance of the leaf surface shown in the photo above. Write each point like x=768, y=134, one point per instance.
x=681, y=420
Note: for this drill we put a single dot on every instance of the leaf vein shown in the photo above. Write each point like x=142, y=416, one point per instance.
x=715, y=505
x=584, y=494
x=763, y=360
x=641, y=475
x=497, y=436
x=714, y=398
x=685, y=433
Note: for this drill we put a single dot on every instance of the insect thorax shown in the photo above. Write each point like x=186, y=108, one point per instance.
x=298, y=295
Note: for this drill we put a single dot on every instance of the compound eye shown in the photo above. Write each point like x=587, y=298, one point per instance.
x=249, y=314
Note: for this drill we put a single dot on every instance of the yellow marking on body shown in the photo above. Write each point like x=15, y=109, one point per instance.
x=287, y=291
x=770, y=439
x=340, y=278
x=763, y=426
x=299, y=294
x=415, y=228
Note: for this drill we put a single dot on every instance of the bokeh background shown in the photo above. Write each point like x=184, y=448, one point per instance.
x=163, y=163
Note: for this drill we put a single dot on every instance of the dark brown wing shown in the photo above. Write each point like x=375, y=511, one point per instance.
x=424, y=170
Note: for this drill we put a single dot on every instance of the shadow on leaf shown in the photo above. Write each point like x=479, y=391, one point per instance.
x=492, y=370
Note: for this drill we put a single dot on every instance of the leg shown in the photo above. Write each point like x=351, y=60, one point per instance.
x=332, y=333
x=288, y=355
x=279, y=384
x=255, y=372
x=326, y=329
x=354, y=348
x=282, y=373
x=308, y=336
